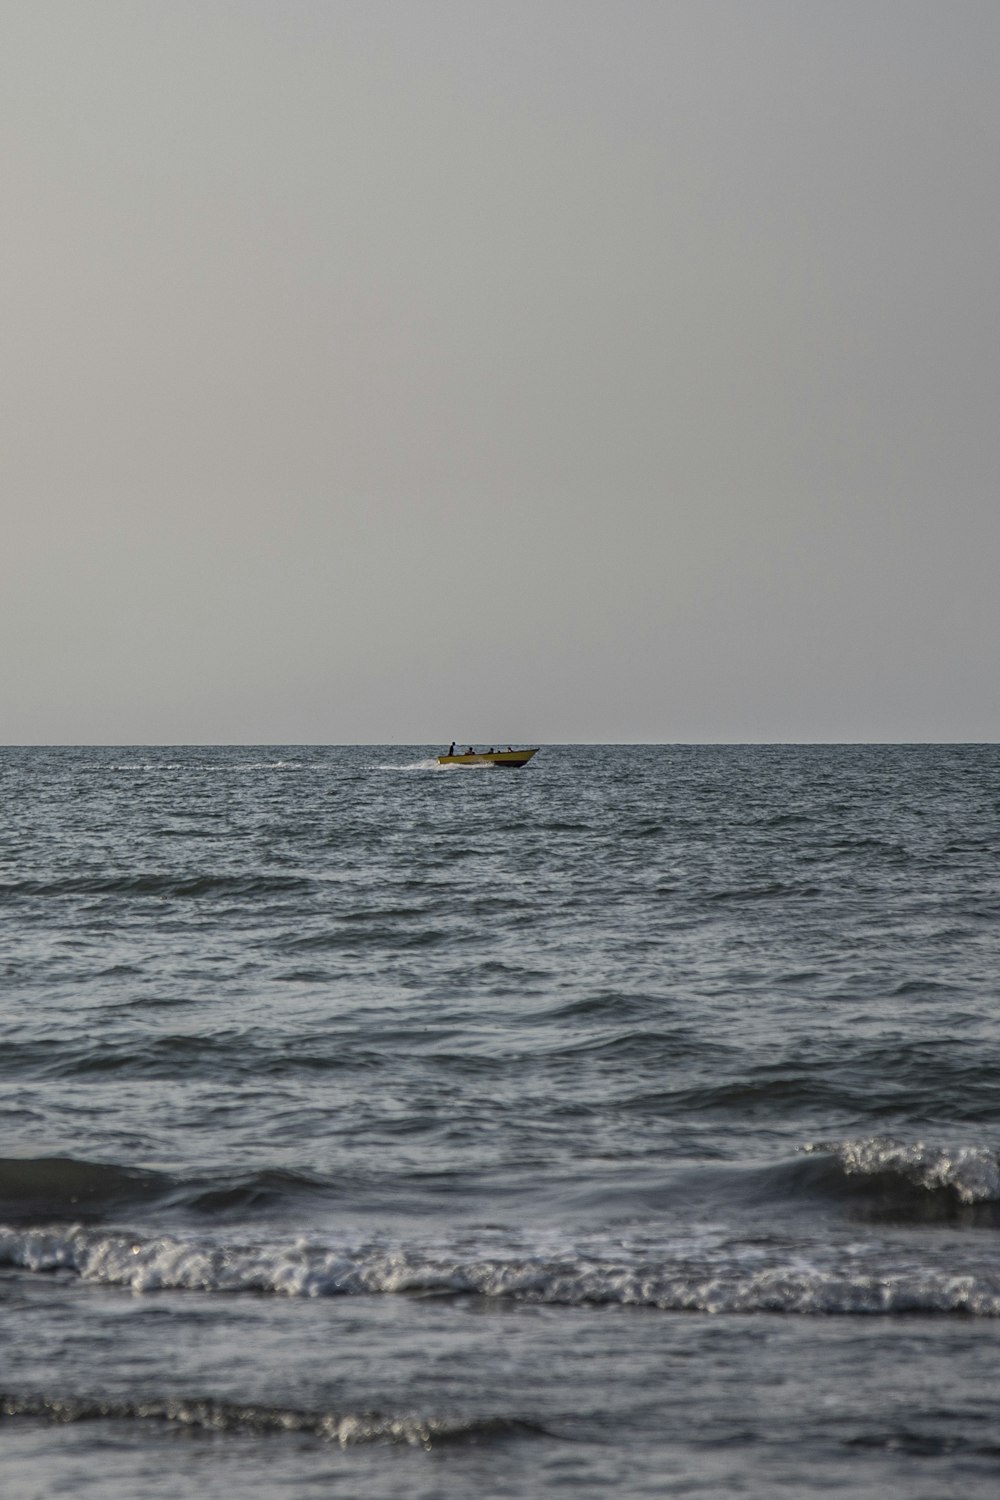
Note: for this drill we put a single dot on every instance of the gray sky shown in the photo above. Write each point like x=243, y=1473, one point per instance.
x=524, y=370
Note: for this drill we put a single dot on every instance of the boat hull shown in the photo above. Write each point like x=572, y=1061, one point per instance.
x=509, y=759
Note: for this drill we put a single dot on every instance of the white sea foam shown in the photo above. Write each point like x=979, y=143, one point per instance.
x=732, y=1279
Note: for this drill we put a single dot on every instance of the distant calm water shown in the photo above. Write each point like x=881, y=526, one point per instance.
x=626, y=1125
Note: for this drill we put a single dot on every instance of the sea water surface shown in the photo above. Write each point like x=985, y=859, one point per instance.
x=627, y=1124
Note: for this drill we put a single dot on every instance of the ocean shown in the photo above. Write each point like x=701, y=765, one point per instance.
x=623, y=1125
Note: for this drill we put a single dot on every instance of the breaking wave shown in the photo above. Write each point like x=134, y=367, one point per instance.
x=64, y=1217
x=725, y=1277
x=871, y=1177
x=964, y=1174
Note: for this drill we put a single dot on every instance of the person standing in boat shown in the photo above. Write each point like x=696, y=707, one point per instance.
x=451, y=748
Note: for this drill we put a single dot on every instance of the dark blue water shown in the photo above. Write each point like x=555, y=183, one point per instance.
x=626, y=1124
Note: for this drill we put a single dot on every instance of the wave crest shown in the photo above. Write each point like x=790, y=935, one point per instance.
x=970, y=1174
x=346, y=1429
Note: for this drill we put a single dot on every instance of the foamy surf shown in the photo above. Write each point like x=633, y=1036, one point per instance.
x=724, y=1277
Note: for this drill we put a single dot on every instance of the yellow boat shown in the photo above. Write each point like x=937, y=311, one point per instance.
x=489, y=757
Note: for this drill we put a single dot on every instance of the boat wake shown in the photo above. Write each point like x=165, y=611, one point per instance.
x=432, y=764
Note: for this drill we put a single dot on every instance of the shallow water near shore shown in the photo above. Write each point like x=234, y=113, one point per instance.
x=622, y=1124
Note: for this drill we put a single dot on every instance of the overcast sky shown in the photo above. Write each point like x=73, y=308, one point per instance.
x=545, y=370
